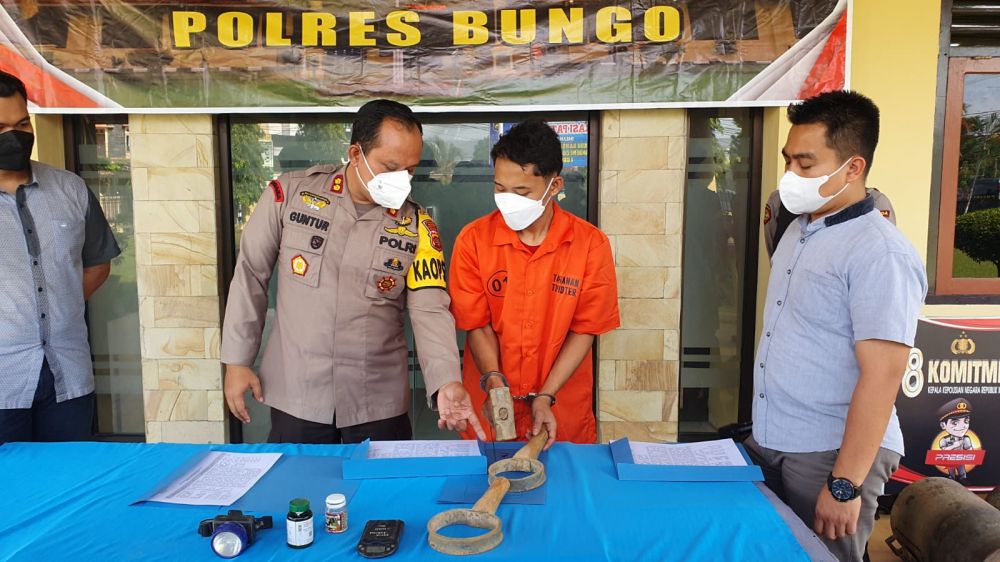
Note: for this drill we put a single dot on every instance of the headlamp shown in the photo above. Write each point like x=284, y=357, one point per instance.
x=233, y=533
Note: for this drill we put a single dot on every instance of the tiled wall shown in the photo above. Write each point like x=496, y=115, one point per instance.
x=174, y=173
x=641, y=200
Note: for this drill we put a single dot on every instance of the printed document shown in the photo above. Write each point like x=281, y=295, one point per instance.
x=722, y=452
x=218, y=479
x=414, y=449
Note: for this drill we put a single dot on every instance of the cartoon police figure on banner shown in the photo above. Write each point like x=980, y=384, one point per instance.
x=953, y=369
x=951, y=445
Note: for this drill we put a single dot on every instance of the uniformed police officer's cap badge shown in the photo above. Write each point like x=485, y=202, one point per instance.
x=315, y=242
x=394, y=264
x=957, y=408
x=386, y=284
x=299, y=265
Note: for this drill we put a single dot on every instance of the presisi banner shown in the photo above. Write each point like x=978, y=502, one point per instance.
x=283, y=55
x=949, y=404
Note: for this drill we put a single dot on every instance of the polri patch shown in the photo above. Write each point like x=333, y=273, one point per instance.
x=885, y=212
x=767, y=214
x=386, y=284
x=277, y=190
x=300, y=265
x=313, y=201
x=315, y=242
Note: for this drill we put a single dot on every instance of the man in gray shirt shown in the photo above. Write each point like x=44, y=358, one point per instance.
x=843, y=300
x=55, y=250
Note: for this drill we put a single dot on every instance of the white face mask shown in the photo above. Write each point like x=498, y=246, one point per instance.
x=801, y=195
x=388, y=189
x=520, y=212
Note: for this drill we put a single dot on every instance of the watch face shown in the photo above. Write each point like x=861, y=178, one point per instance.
x=842, y=489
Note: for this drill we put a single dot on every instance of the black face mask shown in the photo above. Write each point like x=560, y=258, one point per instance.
x=15, y=150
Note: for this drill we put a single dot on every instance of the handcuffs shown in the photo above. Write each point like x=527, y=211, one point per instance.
x=529, y=397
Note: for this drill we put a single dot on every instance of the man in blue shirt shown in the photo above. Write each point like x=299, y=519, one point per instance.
x=55, y=250
x=843, y=300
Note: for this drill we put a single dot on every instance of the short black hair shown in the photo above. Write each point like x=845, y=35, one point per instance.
x=370, y=117
x=531, y=142
x=10, y=85
x=851, y=121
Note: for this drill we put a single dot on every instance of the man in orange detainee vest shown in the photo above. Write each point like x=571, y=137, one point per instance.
x=533, y=285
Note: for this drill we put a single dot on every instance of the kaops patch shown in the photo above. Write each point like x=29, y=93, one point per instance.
x=428, y=269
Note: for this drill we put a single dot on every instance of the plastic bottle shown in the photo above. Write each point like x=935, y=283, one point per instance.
x=336, y=513
x=299, y=524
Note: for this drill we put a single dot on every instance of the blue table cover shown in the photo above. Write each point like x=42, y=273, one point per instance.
x=70, y=501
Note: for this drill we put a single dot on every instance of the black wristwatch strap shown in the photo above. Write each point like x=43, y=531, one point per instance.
x=829, y=485
x=488, y=374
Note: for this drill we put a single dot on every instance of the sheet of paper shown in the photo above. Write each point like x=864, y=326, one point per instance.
x=218, y=479
x=414, y=449
x=722, y=452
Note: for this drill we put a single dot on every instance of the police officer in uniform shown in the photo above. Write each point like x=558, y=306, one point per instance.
x=777, y=217
x=352, y=254
x=954, y=418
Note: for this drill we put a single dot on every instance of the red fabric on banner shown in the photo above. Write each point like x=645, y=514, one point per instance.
x=828, y=72
x=983, y=324
x=955, y=458
x=43, y=88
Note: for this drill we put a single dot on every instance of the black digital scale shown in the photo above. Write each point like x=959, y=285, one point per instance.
x=380, y=538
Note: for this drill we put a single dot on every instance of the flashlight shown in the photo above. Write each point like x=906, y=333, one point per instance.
x=232, y=533
x=229, y=539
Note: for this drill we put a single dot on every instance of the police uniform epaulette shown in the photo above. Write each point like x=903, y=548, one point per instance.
x=321, y=169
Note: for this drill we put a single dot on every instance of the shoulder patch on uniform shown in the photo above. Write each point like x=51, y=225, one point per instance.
x=337, y=185
x=428, y=269
x=767, y=214
x=279, y=192
x=885, y=212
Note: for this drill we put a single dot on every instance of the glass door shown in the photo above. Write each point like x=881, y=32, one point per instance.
x=454, y=181
x=718, y=295
x=101, y=155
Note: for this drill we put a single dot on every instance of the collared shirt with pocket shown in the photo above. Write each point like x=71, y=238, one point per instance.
x=533, y=300
x=835, y=281
x=51, y=229
x=344, y=282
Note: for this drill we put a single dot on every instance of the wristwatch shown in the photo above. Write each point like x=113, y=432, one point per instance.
x=488, y=374
x=842, y=489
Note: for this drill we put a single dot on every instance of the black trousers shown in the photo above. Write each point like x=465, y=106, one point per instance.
x=286, y=428
x=46, y=419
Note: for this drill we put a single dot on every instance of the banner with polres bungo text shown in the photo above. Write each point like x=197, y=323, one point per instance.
x=949, y=404
x=87, y=56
